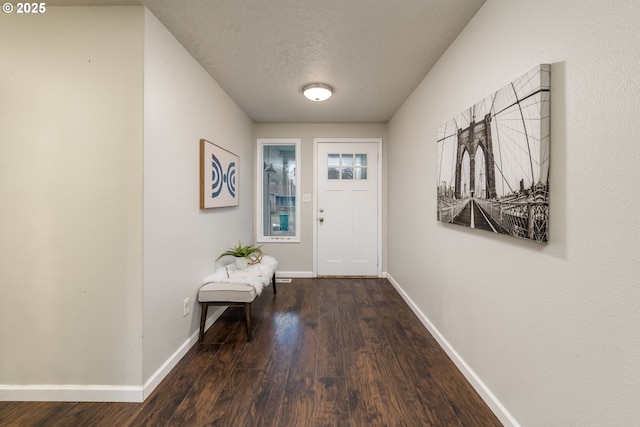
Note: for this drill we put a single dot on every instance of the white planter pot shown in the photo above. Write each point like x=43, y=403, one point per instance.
x=241, y=263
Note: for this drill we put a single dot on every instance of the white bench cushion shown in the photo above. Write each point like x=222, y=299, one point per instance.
x=227, y=292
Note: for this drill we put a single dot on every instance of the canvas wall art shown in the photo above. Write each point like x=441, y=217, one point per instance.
x=218, y=176
x=493, y=161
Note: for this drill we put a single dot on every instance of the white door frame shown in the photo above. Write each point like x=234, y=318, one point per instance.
x=316, y=141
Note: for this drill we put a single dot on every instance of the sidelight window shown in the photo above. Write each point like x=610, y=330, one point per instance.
x=278, y=190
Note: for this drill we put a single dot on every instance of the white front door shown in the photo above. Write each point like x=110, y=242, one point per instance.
x=347, y=208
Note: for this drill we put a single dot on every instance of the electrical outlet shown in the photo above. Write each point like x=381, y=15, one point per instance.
x=185, y=307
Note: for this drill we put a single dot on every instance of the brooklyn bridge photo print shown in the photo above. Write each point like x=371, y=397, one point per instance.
x=493, y=161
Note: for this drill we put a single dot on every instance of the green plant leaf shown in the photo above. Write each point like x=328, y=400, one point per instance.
x=241, y=251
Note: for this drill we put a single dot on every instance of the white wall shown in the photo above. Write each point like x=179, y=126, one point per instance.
x=70, y=200
x=181, y=242
x=297, y=257
x=551, y=330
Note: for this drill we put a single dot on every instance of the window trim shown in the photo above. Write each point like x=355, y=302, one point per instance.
x=260, y=232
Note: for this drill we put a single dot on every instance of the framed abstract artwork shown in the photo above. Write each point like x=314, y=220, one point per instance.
x=493, y=161
x=218, y=176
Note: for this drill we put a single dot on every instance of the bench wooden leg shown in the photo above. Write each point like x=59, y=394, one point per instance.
x=203, y=319
x=273, y=282
x=247, y=315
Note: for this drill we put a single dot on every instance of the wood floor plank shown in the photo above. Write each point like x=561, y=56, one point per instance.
x=258, y=351
x=408, y=357
x=463, y=398
x=195, y=407
x=298, y=402
x=395, y=388
x=286, y=319
x=10, y=411
x=431, y=405
x=265, y=408
x=363, y=306
x=365, y=401
x=310, y=304
x=98, y=414
x=330, y=347
x=34, y=414
x=230, y=408
x=299, y=398
x=366, y=407
x=332, y=408
x=347, y=306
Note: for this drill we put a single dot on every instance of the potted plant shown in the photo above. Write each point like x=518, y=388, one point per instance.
x=243, y=254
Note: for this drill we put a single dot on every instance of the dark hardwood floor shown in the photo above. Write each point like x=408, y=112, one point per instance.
x=325, y=352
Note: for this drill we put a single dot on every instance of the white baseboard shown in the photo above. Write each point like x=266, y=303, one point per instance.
x=295, y=274
x=307, y=274
x=103, y=393
x=70, y=393
x=485, y=393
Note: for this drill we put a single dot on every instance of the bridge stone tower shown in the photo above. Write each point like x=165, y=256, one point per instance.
x=478, y=134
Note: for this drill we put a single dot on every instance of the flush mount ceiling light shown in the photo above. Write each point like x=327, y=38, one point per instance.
x=317, y=91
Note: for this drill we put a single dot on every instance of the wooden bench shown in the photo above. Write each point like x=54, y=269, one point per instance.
x=221, y=290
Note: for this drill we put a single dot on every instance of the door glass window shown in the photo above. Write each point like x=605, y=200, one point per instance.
x=347, y=166
x=333, y=164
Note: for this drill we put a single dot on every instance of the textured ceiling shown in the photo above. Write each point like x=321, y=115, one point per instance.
x=373, y=52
